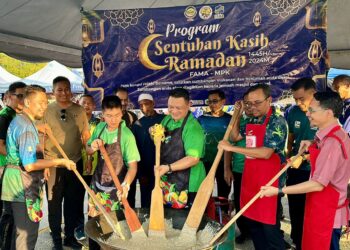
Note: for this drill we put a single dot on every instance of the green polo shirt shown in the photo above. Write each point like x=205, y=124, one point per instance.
x=194, y=140
x=238, y=159
x=6, y=116
x=299, y=126
x=128, y=143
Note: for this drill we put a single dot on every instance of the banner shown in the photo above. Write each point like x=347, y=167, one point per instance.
x=230, y=46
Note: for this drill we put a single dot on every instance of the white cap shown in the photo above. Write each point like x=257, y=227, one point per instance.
x=145, y=97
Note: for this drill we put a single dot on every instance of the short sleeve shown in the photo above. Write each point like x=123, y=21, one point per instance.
x=193, y=147
x=27, y=143
x=130, y=150
x=276, y=134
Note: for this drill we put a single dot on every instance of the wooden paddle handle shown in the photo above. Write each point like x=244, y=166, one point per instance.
x=112, y=173
x=90, y=192
x=157, y=142
x=234, y=218
x=220, y=152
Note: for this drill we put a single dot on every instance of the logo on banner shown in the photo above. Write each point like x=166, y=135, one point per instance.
x=151, y=26
x=205, y=12
x=219, y=12
x=257, y=19
x=190, y=13
x=315, y=52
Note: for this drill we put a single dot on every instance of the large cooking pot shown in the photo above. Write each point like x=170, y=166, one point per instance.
x=94, y=231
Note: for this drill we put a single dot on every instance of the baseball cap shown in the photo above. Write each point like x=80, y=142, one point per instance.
x=145, y=96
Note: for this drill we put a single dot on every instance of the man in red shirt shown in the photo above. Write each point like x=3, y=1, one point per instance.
x=326, y=205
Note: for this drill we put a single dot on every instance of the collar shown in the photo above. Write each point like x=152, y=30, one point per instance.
x=321, y=133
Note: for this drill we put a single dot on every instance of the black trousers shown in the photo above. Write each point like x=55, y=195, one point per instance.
x=7, y=230
x=68, y=188
x=132, y=194
x=296, y=205
x=267, y=237
x=242, y=222
x=146, y=187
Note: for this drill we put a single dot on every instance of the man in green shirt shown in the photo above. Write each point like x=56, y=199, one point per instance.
x=299, y=129
x=14, y=102
x=181, y=168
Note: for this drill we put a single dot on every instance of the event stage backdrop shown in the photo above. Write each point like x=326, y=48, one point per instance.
x=201, y=47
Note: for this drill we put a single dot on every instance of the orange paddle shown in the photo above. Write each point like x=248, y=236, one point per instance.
x=131, y=217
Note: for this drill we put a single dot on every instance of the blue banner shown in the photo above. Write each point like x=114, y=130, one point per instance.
x=230, y=46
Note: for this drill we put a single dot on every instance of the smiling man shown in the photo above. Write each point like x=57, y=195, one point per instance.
x=299, y=129
x=266, y=137
x=325, y=208
x=215, y=124
x=182, y=171
x=341, y=84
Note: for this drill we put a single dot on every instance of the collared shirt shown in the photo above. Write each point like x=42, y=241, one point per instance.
x=299, y=126
x=6, y=116
x=214, y=128
x=127, y=143
x=276, y=133
x=332, y=167
x=21, y=143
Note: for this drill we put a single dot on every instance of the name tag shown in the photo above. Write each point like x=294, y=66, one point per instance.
x=250, y=143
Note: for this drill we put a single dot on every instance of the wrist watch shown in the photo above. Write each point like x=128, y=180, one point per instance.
x=280, y=192
x=170, y=170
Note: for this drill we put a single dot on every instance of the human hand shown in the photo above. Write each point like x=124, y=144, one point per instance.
x=46, y=174
x=225, y=145
x=124, y=192
x=163, y=169
x=268, y=191
x=95, y=145
x=70, y=165
x=228, y=176
x=304, y=145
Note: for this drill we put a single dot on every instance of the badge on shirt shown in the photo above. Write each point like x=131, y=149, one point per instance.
x=250, y=143
x=297, y=124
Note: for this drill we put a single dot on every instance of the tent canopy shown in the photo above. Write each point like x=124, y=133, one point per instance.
x=45, y=30
x=6, y=78
x=45, y=76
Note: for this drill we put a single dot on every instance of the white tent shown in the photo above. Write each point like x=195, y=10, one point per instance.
x=51, y=29
x=45, y=76
x=6, y=78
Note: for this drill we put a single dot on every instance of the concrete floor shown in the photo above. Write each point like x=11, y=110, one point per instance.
x=44, y=240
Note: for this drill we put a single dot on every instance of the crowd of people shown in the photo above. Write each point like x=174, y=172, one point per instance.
x=261, y=141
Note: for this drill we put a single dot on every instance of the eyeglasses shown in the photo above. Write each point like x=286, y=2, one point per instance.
x=255, y=104
x=63, y=115
x=311, y=110
x=214, y=101
x=19, y=96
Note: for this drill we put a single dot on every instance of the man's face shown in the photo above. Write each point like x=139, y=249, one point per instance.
x=88, y=104
x=303, y=98
x=178, y=107
x=62, y=92
x=258, y=103
x=215, y=103
x=16, y=100
x=316, y=114
x=344, y=91
x=112, y=117
x=37, y=105
x=124, y=98
x=246, y=107
x=146, y=107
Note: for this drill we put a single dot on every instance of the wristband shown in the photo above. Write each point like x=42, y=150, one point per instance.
x=170, y=170
x=127, y=185
x=280, y=192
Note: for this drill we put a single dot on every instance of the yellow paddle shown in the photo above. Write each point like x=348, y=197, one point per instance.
x=156, y=219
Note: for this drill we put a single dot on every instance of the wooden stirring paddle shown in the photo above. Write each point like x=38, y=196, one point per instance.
x=112, y=221
x=131, y=217
x=156, y=219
